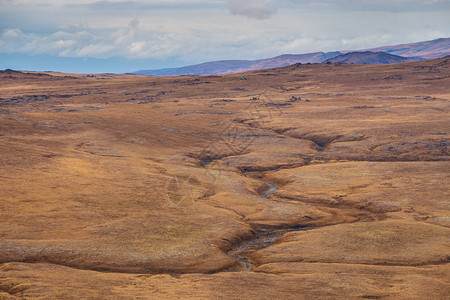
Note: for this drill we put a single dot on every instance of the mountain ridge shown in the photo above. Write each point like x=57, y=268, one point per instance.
x=404, y=52
x=428, y=49
x=236, y=66
x=368, y=57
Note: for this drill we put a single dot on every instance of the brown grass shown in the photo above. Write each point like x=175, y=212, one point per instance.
x=135, y=174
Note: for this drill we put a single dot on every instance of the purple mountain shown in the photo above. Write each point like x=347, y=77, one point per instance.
x=382, y=55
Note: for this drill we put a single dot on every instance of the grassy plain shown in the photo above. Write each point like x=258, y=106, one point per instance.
x=120, y=186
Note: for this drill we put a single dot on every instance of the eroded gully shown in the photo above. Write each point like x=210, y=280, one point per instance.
x=263, y=238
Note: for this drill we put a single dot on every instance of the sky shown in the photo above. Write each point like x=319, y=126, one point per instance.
x=118, y=36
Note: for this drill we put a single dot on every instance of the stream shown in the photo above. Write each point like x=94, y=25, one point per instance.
x=262, y=239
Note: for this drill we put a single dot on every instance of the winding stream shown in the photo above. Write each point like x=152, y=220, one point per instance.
x=262, y=239
x=272, y=189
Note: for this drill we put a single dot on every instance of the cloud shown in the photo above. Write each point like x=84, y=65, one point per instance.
x=251, y=8
x=200, y=30
x=134, y=23
x=70, y=44
x=367, y=5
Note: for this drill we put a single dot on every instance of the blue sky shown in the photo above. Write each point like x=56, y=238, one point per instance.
x=91, y=36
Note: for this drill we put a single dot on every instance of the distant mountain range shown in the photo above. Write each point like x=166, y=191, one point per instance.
x=382, y=55
x=237, y=66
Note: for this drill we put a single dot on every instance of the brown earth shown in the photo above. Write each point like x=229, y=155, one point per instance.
x=120, y=186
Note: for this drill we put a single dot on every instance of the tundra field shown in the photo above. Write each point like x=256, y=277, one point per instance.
x=318, y=181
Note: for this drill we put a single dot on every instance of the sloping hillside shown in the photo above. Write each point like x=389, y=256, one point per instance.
x=367, y=57
x=427, y=50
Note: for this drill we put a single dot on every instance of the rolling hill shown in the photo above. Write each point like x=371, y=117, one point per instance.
x=321, y=181
x=368, y=57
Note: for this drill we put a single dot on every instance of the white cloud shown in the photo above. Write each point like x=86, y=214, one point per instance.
x=136, y=47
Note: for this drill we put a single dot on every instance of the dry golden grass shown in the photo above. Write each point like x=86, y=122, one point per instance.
x=138, y=187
